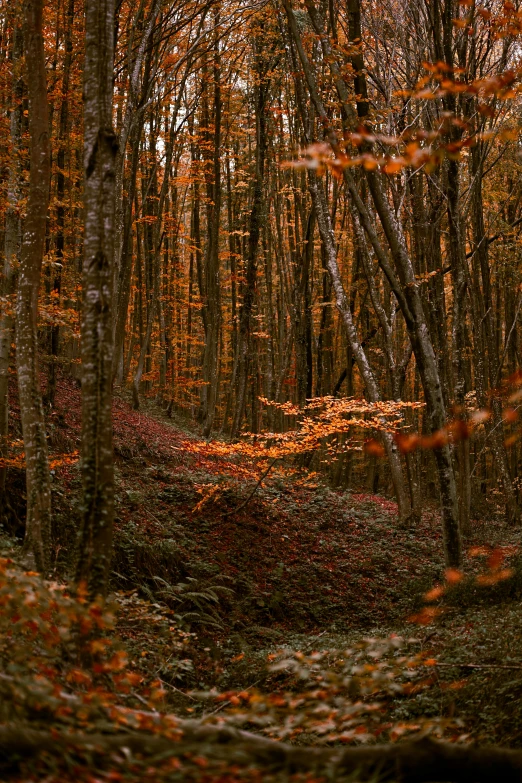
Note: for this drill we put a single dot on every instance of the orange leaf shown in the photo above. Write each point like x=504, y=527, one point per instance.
x=433, y=594
x=478, y=417
x=394, y=165
x=476, y=551
x=426, y=616
x=406, y=443
x=369, y=163
x=485, y=580
x=453, y=575
x=374, y=448
x=495, y=560
x=435, y=441
x=133, y=678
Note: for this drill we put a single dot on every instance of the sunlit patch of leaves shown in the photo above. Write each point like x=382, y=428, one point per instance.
x=317, y=425
x=320, y=418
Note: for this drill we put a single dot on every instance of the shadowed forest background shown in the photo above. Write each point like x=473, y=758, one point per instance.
x=260, y=384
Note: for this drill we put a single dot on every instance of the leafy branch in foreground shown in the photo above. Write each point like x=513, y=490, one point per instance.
x=60, y=658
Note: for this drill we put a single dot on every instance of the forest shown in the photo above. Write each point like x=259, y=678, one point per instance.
x=260, y=391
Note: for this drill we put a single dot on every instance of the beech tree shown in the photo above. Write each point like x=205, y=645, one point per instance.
x=12, y=237
x=100, y=153
x=38, y=519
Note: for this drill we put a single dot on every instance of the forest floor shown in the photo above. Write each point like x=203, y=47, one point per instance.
x=298, y=566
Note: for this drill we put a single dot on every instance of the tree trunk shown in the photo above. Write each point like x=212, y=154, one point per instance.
x=492, y=378
x=212, y=304
x=125, y=259
x=60, y=206
x=256, y=216
x=38, y=522
x=11, y=247
x=100, y=150
x=372, y=389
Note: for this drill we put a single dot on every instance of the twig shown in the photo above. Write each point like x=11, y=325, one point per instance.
x=169, y=685
x=227, y=703
x=249, y=498
x=140, y=698
x=517, y=667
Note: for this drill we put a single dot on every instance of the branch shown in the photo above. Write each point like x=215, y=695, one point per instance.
x=249, y=498
x=364, y=342
x=516, y=667
x=490, y=240
x=417, y=761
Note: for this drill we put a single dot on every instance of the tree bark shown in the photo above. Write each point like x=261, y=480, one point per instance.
x=38, y=521
x=256, y=215
x=212, y=302
x=60, y=206
x=100, y=151
x=11, y=245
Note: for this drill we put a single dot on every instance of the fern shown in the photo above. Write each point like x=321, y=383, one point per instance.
x=197, y=601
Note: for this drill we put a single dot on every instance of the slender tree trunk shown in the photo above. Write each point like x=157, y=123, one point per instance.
x=125, y=259
x=60, y=205
x=256, y=216
x=100, y=150
x=327, y=237
x=11, y=246
x=38, y=523
x=212, y=273
x=139, y=85
x=491, y=369
x=146, y=341
x=302, y=314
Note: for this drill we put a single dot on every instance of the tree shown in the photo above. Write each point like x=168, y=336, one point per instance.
x=401, y=278
x=38, y=520
x=100, y=152
x=11, y=240
x=262, y=66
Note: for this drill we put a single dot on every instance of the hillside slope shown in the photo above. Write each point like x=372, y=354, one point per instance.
x=295, y=555
x=298, y=565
